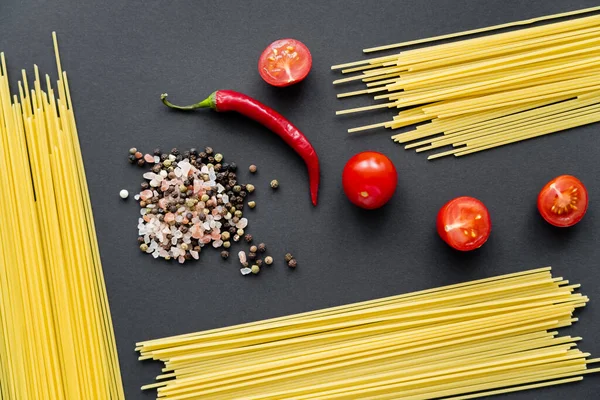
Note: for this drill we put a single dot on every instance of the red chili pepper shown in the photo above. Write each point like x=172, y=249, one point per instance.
x=228, y=100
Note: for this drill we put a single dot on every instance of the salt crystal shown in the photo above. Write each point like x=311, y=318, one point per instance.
x=149, y=175
x=150, y=206
x=242, y=256
x=155, y=254
x=136, y=197
x=242, y=223
x=204, y=169
x=206, y=226
x=154, y=183
x=245, y=271
x=178, y=234
x=185, y=168
x=149, y=158
x=146, y=238
x=187, y=240
x=181, y=259
x=153, y=245
x=156, y=159
x=146, y=194
x=178, y=172
x=220, y=188
x=225, y=199
x=178, y=218
x=143, y=211
x=163, y=173
x=172, y=157
x=212, y=224
x=194, y=254
x=173, y=240
x=218, y=225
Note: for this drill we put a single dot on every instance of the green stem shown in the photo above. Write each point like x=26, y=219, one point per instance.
x=209, y=102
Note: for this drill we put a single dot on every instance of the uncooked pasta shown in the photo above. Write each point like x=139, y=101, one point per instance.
x=56, y=334
x=468, y=340
x=541, y=79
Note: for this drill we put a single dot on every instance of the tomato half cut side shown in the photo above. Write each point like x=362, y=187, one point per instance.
x=563, y=201
x=464, y=223
x=284, y=62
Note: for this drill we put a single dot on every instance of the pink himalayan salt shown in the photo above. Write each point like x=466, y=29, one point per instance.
x=206, y=239
x=197, y=231
x=215, y=234
x=169, y=217
x=149, y=158
x=146, y=194
x=162, y=203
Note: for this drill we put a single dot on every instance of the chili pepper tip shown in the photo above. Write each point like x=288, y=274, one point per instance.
x=209, y=102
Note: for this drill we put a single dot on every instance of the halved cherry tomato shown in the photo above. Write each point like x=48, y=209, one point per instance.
x=369, y=179
x=563, y=201
x=464, y=223
x=284, y=62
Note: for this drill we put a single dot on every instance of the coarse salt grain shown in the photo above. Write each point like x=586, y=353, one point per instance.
x=242, y=257
x=245, y=271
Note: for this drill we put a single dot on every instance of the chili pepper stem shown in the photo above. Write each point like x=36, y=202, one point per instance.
x=209, y=102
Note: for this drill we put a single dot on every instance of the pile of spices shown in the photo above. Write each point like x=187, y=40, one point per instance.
x=252, y=262
x=189, y=200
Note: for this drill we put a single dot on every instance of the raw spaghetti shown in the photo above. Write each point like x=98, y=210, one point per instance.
x=484, y=92
x=56, y=335
x=468, y=340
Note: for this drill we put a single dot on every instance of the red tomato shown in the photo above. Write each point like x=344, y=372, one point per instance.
x=563, y=201
x=284, y=62
x=369, y=179
x=464, y=223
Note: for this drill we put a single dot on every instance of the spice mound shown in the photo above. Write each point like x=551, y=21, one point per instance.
x=188, y=201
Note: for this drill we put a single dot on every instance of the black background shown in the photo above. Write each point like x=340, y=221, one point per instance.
x=121, y=56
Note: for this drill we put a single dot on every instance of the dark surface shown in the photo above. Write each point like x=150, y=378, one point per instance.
x=121, y=57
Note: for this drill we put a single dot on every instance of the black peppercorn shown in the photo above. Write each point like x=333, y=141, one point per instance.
x=251, y=256
x=258, y=262
x=248, y=238
x=141, y=162
x=202, y=155
x=157, y=152
x=232, y=182
x=184, y=229
x=218, y=167
x=188, y=256
x=156, y=168
x=225, y=254
x=161, y=217
x=186, y=154
x=224, y=166
x=173, y=209
x=145, y=185
x=239, y=206
x=211, y=159
x=141, y=240
x=292, y=263
x=262, y=247
x=202, y=216
x=233, y=230
x=232, y=166
x=131, y=158
x=181, y=201
x=163, y=157
x=243, y=193
x=194, y=151
x=210, y=192
x=174, y=151
x=175, y=195
x=208, y=150
x=189, y=216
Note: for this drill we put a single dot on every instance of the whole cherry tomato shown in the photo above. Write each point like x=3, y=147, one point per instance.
x=464, y=223
x=369, y=179
x=563, y=201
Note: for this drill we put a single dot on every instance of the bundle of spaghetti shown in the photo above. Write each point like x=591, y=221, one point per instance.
x=56, y=334
x=458, y=86
x=467, y=340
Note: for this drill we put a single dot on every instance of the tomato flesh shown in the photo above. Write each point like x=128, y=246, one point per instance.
x=284, y=62
x=369, y=179
x=563, y=201
x=464, y=223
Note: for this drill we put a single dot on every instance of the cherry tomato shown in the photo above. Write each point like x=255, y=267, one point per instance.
x=464, y=223
x=284, y=62
x=563, y=201
x=369, y=179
